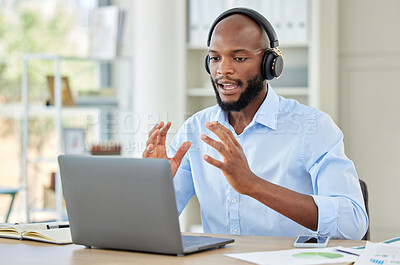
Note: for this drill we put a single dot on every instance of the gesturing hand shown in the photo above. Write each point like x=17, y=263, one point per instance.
x=235, y=166
x=155, y=146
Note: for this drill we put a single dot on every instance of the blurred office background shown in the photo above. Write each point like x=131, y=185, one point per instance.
x=123, y=66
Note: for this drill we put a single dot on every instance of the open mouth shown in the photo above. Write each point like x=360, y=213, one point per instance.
x=227, y=87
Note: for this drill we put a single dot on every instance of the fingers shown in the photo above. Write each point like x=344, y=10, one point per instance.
x=153, y=138
x=180, y=153
x=149, y=149
x=220, y=147
x=224, y=134
x=158, y=135
x=157, y=126
x=213, y=161
x=163, y=134
x=227, y=131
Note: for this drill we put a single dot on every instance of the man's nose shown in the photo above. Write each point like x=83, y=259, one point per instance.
x=224, y=67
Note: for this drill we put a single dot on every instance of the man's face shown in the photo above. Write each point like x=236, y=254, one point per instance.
x=236, y=51
x=253, y=88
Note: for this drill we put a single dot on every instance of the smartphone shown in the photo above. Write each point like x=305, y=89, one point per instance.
x=311, y=241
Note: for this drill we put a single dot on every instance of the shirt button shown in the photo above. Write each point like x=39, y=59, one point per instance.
x=234, y=231
x=233, y=200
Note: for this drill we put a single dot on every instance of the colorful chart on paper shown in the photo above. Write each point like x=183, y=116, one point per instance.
x=317, y=255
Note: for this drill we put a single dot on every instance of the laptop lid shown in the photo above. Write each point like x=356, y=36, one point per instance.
x=126, y=203
x=121, y=203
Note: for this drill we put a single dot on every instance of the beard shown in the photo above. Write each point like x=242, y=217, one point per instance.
x=254, y=87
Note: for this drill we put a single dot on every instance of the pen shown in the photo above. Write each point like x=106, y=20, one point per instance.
x=347, y=252
x=56, y=226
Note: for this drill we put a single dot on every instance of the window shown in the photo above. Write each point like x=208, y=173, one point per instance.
x=33, y=26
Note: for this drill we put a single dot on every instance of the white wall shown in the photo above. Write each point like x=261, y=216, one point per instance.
x=369, y=110
x=324, y=23
x=156, y=43
x=159, y=58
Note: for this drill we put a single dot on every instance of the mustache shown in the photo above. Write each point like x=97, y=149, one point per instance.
x=238, y=81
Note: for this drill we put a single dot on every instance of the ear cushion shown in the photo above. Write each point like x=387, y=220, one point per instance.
x=272, y=65
x=206, y=64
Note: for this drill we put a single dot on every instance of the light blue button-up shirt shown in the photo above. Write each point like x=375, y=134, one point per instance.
x=289, y=144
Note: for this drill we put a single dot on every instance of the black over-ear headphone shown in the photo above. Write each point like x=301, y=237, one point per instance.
x=272, y=63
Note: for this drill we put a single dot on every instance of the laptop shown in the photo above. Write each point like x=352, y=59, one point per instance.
x=127, y=204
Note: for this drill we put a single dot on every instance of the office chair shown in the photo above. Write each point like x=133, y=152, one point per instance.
x=364, y=190
x=12, y=192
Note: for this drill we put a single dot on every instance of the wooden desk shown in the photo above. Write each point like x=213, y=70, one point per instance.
x=17, y=252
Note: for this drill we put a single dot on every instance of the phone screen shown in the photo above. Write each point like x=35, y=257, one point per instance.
x=312, y=239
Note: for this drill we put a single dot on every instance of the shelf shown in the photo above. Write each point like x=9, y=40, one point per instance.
x=52, y=57
x=94, y=113
x=201, y=92
x=197, y=47
x=15, y=111
x=292, y=91
x=10, y=111
x=283, y=91
x=41, y=109
x=290, y=45
x=43, y=160
x=94, y=101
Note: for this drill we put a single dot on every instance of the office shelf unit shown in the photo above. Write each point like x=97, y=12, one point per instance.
x=291, y=20
x=94, y=116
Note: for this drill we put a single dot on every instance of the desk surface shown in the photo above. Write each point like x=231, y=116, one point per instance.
x=17, y=252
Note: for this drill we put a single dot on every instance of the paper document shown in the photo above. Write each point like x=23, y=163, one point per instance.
x=392, y=241
x=306, y=256
x=379, y=253
x=354, y=251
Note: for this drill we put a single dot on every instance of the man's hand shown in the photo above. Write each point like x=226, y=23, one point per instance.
x=299, y=207
x=235, y=166
x=155, y=146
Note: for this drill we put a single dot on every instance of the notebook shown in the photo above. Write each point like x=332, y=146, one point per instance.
x=125, y=203
x=51, y=232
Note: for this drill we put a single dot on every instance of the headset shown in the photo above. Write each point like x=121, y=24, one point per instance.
x=272, y=63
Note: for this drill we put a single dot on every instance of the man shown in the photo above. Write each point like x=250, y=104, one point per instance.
x=258, y=163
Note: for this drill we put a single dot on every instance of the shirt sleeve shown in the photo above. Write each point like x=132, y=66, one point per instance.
x=183, y=182
x=337, y=192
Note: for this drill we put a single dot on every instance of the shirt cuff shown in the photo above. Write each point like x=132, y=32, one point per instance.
x=328, y=212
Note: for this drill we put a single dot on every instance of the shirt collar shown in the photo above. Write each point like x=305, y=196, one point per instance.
x=265, y=115
x=221, y=117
